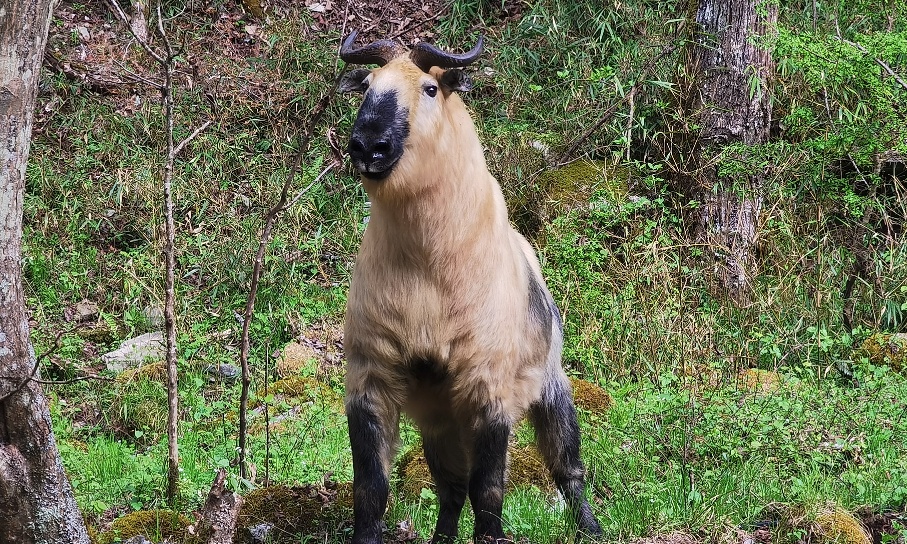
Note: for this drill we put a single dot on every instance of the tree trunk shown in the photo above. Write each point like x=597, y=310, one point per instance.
x=36, y=500
x=733, y=77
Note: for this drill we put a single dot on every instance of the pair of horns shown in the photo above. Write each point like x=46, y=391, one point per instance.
x=424, y=55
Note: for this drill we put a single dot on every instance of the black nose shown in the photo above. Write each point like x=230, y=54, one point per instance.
x=369, y=150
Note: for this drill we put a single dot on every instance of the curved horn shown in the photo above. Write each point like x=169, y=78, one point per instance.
x=380, y=52
x=425, y=55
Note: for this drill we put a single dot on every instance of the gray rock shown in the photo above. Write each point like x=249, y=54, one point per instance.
x=85, y=311
x=136, y=351
x=138, y=539
x=259, y=534
x=224, y=371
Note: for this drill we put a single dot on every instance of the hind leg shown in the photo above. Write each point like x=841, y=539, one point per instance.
x=558, y=437
x=448, y=465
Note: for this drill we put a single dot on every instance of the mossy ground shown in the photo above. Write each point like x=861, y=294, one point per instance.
x=156, y=525
x=297, y=511
x=885, y=349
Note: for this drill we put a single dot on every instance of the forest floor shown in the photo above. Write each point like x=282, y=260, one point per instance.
x=702, y=422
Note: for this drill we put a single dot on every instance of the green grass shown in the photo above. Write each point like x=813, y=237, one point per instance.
x=661, y=459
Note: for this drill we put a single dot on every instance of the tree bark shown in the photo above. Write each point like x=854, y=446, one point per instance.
x=36, y=500
x=733, y=79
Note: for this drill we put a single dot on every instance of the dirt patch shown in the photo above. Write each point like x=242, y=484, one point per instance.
x=885, y=526
x=321, y=341
x=407, y=21
x=89, y=46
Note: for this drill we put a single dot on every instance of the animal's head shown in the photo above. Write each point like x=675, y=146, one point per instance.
x=405, y=98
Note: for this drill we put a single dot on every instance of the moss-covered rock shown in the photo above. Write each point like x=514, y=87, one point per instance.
x=295, y=359
x=294, y=511
x=156, y=525
x=574, y=184
x=826, y=523
x=835, y=525
x=156, y=371
x=139, y=405
x=305, y=388
x=590, y=397
x=757, y=380
x=560, y=190
x=885, y=349
x=93, y=535
x=102, y=333
x=300, y=389
x=412, y=473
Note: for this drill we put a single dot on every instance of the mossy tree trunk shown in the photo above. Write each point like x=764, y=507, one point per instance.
x=36, y=500
x=733, y=75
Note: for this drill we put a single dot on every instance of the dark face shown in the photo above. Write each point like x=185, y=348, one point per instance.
x=400, y=100
x=379, y=134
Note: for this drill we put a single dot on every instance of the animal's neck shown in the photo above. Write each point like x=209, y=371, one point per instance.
x=449, y=202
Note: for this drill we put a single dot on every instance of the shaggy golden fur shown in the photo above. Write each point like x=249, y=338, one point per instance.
x=449, y=321
x=441, y=275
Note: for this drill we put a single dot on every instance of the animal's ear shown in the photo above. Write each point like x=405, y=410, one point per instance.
x=354, y=81
x=456, y=80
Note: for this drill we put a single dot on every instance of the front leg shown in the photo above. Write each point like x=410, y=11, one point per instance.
x=486, y=481
x=373, y=427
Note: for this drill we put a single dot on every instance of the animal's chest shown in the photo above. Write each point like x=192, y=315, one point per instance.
x=399, y=312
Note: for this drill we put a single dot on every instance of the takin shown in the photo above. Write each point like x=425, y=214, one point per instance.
x=448, y=318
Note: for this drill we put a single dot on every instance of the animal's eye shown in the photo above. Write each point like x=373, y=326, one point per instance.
x=431, y=90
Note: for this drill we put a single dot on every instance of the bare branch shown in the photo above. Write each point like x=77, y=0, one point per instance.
x=878, y=61
x=74, y=380
x=300, y=194
x=143, y=43
x=160, y=28
x=34, y=371
x=189, y=138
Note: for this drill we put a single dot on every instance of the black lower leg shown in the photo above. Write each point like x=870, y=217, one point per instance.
x=447, y=463
x=370, y=445
x=486, y=482
x=558, y=437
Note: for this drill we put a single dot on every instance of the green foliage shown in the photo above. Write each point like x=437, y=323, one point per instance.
x=839, y=102
x=730, y=452
x=139, y=408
